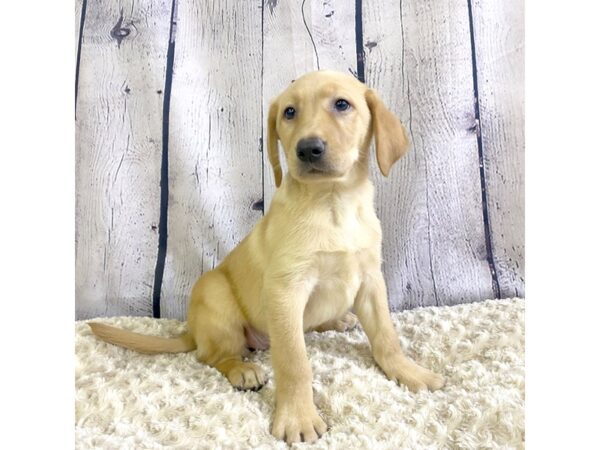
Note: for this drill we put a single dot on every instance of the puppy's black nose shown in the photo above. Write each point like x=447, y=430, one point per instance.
x=310, y=149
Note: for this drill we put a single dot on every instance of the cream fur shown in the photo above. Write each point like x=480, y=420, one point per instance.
x=315, y=255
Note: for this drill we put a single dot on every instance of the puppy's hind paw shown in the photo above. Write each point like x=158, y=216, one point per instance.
x=413, y=376
x=344, y=323
x=247, y=376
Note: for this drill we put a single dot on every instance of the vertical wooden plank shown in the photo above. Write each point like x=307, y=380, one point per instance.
x=78, y=22
x=80, y=11
x=215, y=164
x=301, y=36
x=499, y=40
x=119, y=121
x=417, y=55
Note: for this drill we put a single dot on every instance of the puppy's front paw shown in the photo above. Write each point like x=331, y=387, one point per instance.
x=415, y=377
x=295, y=424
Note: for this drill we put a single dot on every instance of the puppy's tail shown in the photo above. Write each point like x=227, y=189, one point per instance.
x=141, y=342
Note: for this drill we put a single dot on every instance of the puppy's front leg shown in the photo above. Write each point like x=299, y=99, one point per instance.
x=296, y=418
x=371, y=307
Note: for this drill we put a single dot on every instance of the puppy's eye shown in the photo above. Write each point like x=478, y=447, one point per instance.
x=341, y=104
x=289, y=113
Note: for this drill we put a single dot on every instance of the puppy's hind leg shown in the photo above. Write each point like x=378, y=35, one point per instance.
x=217, y=325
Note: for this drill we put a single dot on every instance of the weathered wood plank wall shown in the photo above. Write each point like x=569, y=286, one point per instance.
x=498, y=36
x=433, y=199
x=118, y=161
x=171, y=104
x=215, y=163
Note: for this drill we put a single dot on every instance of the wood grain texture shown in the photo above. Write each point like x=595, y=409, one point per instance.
x=231, y=58
x=80, y=12
x=302, y=36
x=499, y=42
x=215, y=163
x=118, y=155
x=418, y=57
x=78, y=8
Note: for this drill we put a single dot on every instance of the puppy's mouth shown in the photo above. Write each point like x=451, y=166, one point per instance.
x=319, y=171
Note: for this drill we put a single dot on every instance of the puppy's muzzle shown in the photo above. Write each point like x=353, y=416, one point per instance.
x=310, y=149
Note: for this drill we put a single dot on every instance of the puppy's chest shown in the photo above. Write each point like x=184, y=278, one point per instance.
x=339, y=276
x=337, y=270
x=346, y=228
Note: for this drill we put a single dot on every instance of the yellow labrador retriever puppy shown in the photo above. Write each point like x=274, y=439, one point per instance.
x=312, y=258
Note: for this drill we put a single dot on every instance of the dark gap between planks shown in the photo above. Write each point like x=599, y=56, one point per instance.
x=360, y=51
x=164, y=171
x=484, y=200
x=80, y=40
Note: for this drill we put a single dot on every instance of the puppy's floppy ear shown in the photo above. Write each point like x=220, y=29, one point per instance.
x=272, y=138
x=391, y=141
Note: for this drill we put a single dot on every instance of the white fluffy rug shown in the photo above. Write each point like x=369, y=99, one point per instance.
x=126, y=400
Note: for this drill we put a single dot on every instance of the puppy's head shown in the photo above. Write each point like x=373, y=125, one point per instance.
x=325, y=121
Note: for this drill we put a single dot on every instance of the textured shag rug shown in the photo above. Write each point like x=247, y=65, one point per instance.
x=126, y=400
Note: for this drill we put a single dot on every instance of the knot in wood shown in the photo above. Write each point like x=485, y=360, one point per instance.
x=119, y=32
